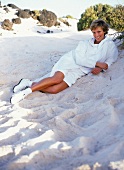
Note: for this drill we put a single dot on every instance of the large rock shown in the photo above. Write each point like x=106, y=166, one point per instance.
x=13, y=6
x=6, y=9
x=7, y=24
x=47, y=18
x=16, y=20
x=23, y=14
x=27, y=10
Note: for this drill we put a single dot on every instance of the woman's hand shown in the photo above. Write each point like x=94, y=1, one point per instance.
x=102, y=65
x=96, y=70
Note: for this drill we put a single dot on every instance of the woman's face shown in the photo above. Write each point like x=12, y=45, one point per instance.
x=98, y=34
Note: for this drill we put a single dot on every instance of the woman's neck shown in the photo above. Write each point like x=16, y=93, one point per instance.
x=97, y=42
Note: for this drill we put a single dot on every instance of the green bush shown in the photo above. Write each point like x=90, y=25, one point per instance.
x=114, y=16
x=86, y=18
x=117, y=18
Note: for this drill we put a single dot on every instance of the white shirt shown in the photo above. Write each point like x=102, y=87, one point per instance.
x=86, y=55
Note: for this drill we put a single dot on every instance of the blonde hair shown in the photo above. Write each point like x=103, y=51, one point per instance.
x=100, y=23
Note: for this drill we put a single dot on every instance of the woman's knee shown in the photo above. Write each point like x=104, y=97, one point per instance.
x=57, y=77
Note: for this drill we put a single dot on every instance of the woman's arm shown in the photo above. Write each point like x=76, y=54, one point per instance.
x=99, y=67
x=96, y=70
x=102, y=65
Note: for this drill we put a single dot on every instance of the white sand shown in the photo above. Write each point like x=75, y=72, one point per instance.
x=78, y=129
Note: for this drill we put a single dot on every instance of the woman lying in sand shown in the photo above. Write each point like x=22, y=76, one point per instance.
x=90, y=56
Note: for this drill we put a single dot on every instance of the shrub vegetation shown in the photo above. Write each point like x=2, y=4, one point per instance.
x=114, y=16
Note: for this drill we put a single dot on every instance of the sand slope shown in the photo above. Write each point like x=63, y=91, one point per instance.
x=79, y=128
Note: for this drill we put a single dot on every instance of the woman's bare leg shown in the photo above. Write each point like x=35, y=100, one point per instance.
x=48, y=82
x=53, y=84
x=56, y=88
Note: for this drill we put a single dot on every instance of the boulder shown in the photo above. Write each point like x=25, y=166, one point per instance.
x=16, y=20
x=27, y=10
x=7, y=24
x=13, y=6
x=23, y=14
x=57, y=23
x=6, y=9
x=47, y=18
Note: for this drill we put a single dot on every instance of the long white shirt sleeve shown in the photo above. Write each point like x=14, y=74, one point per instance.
x=111, y=54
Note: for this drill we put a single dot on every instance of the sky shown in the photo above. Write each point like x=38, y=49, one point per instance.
x=61, y=7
